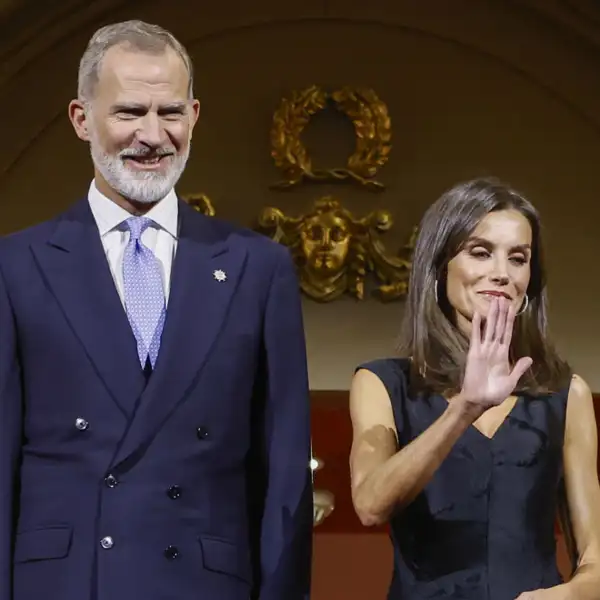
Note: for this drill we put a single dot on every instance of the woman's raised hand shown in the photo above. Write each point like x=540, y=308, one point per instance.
x=489, y=378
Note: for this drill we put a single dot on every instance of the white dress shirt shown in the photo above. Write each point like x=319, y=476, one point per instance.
x=160, y=237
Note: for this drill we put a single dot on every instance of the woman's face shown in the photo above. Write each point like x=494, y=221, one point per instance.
x=495, y=261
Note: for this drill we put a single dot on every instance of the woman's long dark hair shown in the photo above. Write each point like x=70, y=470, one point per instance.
x=437, y=348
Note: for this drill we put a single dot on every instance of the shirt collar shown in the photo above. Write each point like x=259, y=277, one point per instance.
x=109, y=215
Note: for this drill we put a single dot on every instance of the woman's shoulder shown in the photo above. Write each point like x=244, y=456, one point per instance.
x=580, y=401
x=392, y=372
x=578, y=386
x=397, y=366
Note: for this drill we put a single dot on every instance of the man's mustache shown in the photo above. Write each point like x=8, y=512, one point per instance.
x=145, y=152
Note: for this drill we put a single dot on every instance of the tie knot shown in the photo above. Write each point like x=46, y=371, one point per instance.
x=137, y=226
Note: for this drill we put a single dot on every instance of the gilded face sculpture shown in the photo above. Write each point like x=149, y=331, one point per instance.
x=325, y=239
x=334, y=251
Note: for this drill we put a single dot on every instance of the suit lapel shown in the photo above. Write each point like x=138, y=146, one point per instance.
x=76, y=270
x=197, y=309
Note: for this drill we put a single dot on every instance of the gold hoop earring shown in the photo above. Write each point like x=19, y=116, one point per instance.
x=524, y=307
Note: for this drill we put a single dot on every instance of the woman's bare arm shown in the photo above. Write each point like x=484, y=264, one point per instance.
x=580, y=457
x=383, y=477
x=583, y=490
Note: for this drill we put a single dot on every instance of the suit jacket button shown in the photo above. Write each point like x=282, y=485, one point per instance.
x=111, y=481
x=107, y=542
x=174, y=492
x=171, y=552
x=202, y=433
x=81, y=424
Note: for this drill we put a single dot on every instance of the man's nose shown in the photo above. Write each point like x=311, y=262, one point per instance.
x=151, y=132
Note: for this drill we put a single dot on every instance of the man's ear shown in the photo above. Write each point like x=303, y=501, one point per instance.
x=79, y=119
x=195, y=111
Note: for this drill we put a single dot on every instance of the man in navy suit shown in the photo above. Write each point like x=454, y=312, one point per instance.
x=154, y=408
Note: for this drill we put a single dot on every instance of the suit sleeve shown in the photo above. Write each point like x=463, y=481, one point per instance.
x=10, y=437
x=287, y=516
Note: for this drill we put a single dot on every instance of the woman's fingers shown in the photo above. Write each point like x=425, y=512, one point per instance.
x=510, y=322
x=501, y=323
x=490, y=321
x=519, y=370
x=476, y=330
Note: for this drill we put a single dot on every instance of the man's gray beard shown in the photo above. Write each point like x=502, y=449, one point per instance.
x=145, y=187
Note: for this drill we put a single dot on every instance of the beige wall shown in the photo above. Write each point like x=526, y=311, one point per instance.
x=487, y=87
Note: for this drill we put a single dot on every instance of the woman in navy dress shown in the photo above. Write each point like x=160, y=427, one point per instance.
x=472, y=441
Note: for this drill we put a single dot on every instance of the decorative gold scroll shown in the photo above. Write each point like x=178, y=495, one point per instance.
x=200, y=202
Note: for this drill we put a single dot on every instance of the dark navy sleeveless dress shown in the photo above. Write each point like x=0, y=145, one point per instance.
x=483, y=528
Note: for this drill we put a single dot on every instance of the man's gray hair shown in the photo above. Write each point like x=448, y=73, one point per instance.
x=136, y=35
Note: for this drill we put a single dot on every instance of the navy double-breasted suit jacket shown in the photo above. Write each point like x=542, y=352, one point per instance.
x=192, y=484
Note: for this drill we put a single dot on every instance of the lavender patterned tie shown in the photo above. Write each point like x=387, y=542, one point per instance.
x=144, y=293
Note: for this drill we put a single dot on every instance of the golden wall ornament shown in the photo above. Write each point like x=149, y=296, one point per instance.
x=335, y=252
x=323, y=500
x=200, y=202
x=372, y=125
x=323, y=506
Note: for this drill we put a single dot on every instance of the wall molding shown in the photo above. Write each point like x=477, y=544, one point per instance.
x=537, y=49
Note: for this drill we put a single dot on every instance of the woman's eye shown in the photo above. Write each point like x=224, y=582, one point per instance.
x=479, y=253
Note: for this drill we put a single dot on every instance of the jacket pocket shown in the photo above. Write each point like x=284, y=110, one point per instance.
x=43, y=544
x=222, y=556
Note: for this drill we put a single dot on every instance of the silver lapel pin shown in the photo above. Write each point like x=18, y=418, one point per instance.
x=219, y=275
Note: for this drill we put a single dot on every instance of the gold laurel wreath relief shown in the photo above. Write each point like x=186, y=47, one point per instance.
x=372, y=126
